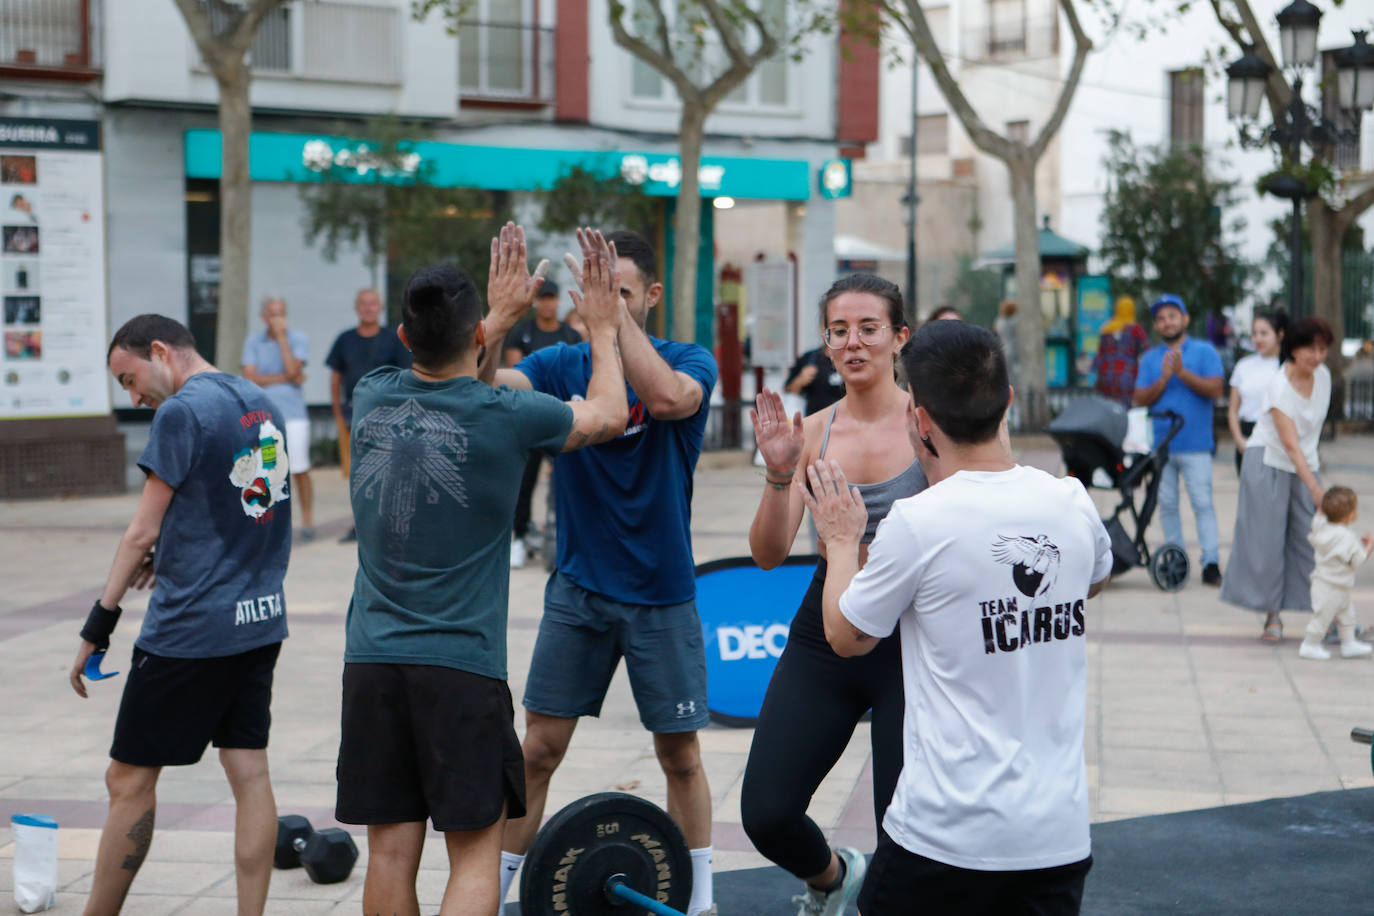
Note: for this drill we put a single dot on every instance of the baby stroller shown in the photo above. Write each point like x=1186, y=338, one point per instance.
x=1089, y=432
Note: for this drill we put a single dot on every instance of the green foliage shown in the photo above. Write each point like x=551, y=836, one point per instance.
x=1162, y=228
x=976, y=292
x=581, y=197
x=378, y=195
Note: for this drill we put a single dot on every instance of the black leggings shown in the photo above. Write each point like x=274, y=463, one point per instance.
x=809, y=712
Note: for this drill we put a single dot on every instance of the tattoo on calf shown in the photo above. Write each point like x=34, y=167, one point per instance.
x=142, y=835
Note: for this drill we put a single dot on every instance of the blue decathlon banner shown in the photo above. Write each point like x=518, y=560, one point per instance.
x=304, y=157
x=745, y=616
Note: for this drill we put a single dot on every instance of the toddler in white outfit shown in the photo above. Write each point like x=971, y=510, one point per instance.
x=1339, y=553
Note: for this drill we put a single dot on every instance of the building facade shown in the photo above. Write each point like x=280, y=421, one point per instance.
x=522, y=91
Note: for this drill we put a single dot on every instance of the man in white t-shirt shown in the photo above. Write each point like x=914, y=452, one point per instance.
x=987, y=573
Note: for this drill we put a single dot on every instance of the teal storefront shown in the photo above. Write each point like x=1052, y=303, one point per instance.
x=301, y=157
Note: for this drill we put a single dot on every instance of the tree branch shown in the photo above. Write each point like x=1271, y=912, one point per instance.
x=202, y=32
x=729, y=36
x=661, y=61
x=909, y=15
x=248, y=25
x=1353, y=208
x=1082, y=46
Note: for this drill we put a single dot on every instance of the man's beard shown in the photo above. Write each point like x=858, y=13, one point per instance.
x=1174, y=339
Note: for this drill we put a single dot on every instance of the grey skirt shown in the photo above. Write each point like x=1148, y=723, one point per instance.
x=1270, y=569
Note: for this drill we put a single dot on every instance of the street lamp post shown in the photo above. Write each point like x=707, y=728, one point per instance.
x=910, y=199
x=1298, y=123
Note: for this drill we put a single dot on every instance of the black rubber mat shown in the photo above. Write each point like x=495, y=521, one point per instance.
x=1306, y=854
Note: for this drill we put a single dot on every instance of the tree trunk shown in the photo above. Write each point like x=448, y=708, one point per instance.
x=1031, y=390
x=1327, y=229
x=235, y=214
x=687, y=223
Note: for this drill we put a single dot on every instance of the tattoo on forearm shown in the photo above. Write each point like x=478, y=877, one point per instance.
x=142, y=835
x=859, y=635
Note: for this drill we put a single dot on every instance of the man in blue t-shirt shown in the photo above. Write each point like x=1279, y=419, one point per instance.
x=1184, y=375
x=428, y=727
x=355, y=353
x=625, y=582
x=202, y=666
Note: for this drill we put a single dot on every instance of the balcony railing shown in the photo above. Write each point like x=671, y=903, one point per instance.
x=327, y=40
x=505, y=62
x=1016, y=39
x=50, y=37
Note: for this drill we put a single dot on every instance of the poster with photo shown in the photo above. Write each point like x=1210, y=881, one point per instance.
x=52, y=269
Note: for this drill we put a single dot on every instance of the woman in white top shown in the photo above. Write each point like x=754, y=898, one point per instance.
x=1271, y=559
x=1251, y=377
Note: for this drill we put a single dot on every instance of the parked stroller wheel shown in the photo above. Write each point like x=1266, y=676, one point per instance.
x=1169, y=567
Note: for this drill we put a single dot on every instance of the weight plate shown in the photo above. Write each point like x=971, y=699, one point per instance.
x=595, y=837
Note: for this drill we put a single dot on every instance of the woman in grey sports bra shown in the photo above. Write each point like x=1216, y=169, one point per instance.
x=815, y=698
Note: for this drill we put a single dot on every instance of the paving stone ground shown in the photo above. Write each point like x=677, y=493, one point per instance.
x=1186, y=708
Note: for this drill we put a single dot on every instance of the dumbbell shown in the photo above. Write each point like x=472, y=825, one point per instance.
x=327, y=855
x=605, y=851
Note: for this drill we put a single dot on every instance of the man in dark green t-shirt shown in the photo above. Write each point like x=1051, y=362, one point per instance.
x=428, y=726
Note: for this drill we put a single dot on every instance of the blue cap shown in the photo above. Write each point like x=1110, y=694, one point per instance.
x=1167, y=299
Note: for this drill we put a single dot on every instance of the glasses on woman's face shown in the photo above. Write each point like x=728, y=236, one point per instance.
x=837, y=338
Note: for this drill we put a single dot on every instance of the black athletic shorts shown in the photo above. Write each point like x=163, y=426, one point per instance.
x=427, y=742
x=900, y=882
x=173, y=707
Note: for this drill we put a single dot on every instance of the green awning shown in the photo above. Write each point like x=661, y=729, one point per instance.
x=1052, y=245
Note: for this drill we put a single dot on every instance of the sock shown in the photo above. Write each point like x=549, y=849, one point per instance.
x=703, y=894
x=510, y=864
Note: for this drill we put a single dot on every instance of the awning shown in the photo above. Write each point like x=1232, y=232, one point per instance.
x=853, y=248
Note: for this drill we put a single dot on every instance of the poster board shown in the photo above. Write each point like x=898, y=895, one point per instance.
x=769, y=296
x=52, y=269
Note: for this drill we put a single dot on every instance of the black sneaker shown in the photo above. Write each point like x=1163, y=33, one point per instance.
x=350, y=537
x=1211, y=574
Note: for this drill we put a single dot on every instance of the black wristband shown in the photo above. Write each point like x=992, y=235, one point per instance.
x=100, y=623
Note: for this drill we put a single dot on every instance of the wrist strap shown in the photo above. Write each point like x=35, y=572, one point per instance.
x=100, y=623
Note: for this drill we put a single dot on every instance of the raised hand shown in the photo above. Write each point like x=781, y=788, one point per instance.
x=510, y=286
x=599, y=301
x=593, y=244
x=779, y=440
x=836, y=508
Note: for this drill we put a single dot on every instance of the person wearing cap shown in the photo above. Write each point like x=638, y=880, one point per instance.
x=1184, y=375
x=540, y=330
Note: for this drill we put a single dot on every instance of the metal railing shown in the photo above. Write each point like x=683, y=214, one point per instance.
x=502, y=61
x=326, y=40
x=52, y=34
x=1030, y=37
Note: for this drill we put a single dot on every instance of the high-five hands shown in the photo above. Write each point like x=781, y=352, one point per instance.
x=779, y=440
x=599, y=301
x=510, y=286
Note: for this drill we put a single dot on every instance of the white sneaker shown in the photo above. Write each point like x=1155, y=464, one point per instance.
x=819, y=903
x=1313, y=650
x=517, y=554
x=1353, y=648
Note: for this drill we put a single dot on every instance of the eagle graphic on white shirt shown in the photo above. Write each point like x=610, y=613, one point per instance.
x=1034, y=562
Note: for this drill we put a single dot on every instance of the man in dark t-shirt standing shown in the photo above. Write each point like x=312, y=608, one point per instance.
x=214, y=503
x=543, y=329
x=355, y=353
x=814, y=377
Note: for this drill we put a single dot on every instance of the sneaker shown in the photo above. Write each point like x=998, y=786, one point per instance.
x=818, y=903
x=1313, y=650
x=350, y=537
x=517, y=554
x=307, y=535
x=1353, y=648
x=1211, y=574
